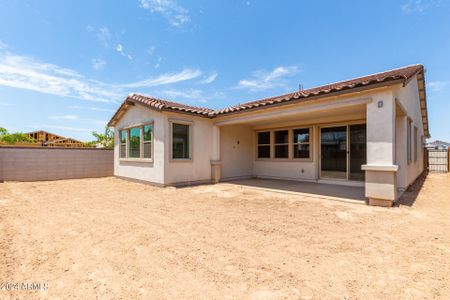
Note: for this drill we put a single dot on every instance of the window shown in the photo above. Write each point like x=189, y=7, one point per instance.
x=134, y=148
x=136, y=142
x=301, y=143
x=415, y=143
x=148, y=137
x=123, y=143
x=180, y=141
x=264, y=144
x=282, y=144
x=408, y=141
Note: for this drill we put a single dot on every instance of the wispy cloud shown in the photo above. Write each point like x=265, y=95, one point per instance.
x=104, y=36
x=164, y=79
x=64, y=118
x=27, y=73
x=98, y=63
x=192, y=94
x=419, y=6
x=158, y=63
x=91, y=108
x=437, y=86
x=49, y=126
x=3, y=45
x=263, y=79
x=209, y=79
x=175, y=14
x=119, y=48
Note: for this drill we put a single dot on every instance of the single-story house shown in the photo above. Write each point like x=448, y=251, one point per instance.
x=367, y=131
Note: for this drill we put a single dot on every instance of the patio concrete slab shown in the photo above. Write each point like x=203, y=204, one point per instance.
x=319, y=190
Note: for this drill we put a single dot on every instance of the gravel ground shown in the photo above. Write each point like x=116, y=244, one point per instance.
x=112, y=239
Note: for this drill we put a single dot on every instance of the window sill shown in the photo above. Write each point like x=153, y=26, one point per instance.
x=285, y=159
x=144, y=160
x=180, y=160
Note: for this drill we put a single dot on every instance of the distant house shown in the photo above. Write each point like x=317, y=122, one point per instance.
x=366, y=132
x=48, y=139
x=438, y=145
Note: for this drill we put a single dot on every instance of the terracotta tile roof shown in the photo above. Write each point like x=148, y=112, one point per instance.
x=168, y=105
x=404, y=74
x=401, y=75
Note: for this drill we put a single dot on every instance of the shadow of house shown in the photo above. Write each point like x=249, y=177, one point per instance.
x=409, y=197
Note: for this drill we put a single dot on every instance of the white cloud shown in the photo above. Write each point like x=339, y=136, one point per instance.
x=158, y=63
x=98, y=63
x=47, y=126
x=30, y=74
x=27, y=73
x=91, y=108
x=437, y=86
x=64, y=118
x=189, y=94
x=104, y=35
x=151, y=50
x=173, y=12
x=119, y=48
x=3, y=45
x=419, y=6
x=168, y=78
x=263, y=79
x=209, y=79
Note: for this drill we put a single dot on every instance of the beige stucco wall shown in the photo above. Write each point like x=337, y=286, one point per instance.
x=147, y=171
x=199, y=168
x=236, y=151
x=408, y=97
x=231, y=139
x=35, y=164
x=290, y=168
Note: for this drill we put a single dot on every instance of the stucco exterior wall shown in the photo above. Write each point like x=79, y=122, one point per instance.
x=198, y=169
x=236, y=151
x=147, y=171
x=290, y=169
x=408, y=97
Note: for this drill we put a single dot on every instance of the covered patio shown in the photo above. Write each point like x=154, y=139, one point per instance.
x=354, y=194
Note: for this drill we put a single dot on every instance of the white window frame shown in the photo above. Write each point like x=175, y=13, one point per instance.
x=409, y=140
x=141, y=143
x=416, y=152
x=123, y=144
x=191, y=145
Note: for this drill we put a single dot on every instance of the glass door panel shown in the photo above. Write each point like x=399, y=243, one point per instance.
x=334, y=152
x=358, y=151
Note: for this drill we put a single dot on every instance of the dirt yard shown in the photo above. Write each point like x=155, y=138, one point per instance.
x=112, y=239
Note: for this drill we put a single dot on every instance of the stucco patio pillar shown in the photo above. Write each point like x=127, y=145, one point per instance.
x=381, y=177
x=216, y=165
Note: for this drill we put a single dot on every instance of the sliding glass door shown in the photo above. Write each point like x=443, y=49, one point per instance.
x=334, y=152
x=343, y=151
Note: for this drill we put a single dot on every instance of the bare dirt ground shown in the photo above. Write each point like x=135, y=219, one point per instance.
x=112, y=239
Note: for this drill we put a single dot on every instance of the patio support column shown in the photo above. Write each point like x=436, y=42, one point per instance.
x=381, y=177
x=215, y=157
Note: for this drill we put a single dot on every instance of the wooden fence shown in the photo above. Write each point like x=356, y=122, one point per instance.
x=43, y=163
x=438, y=160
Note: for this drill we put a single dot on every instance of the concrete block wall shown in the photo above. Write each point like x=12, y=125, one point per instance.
x=37, y=164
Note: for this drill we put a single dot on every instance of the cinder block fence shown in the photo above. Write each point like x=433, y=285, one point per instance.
x=42, y=163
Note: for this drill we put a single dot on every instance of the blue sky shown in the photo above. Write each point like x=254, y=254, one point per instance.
x=66, y=65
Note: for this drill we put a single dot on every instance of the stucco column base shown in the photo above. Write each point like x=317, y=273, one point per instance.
x=381, y=184
x=380, y=202
x=216, y=170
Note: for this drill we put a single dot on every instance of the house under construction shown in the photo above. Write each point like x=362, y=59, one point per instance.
x=48, y=139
